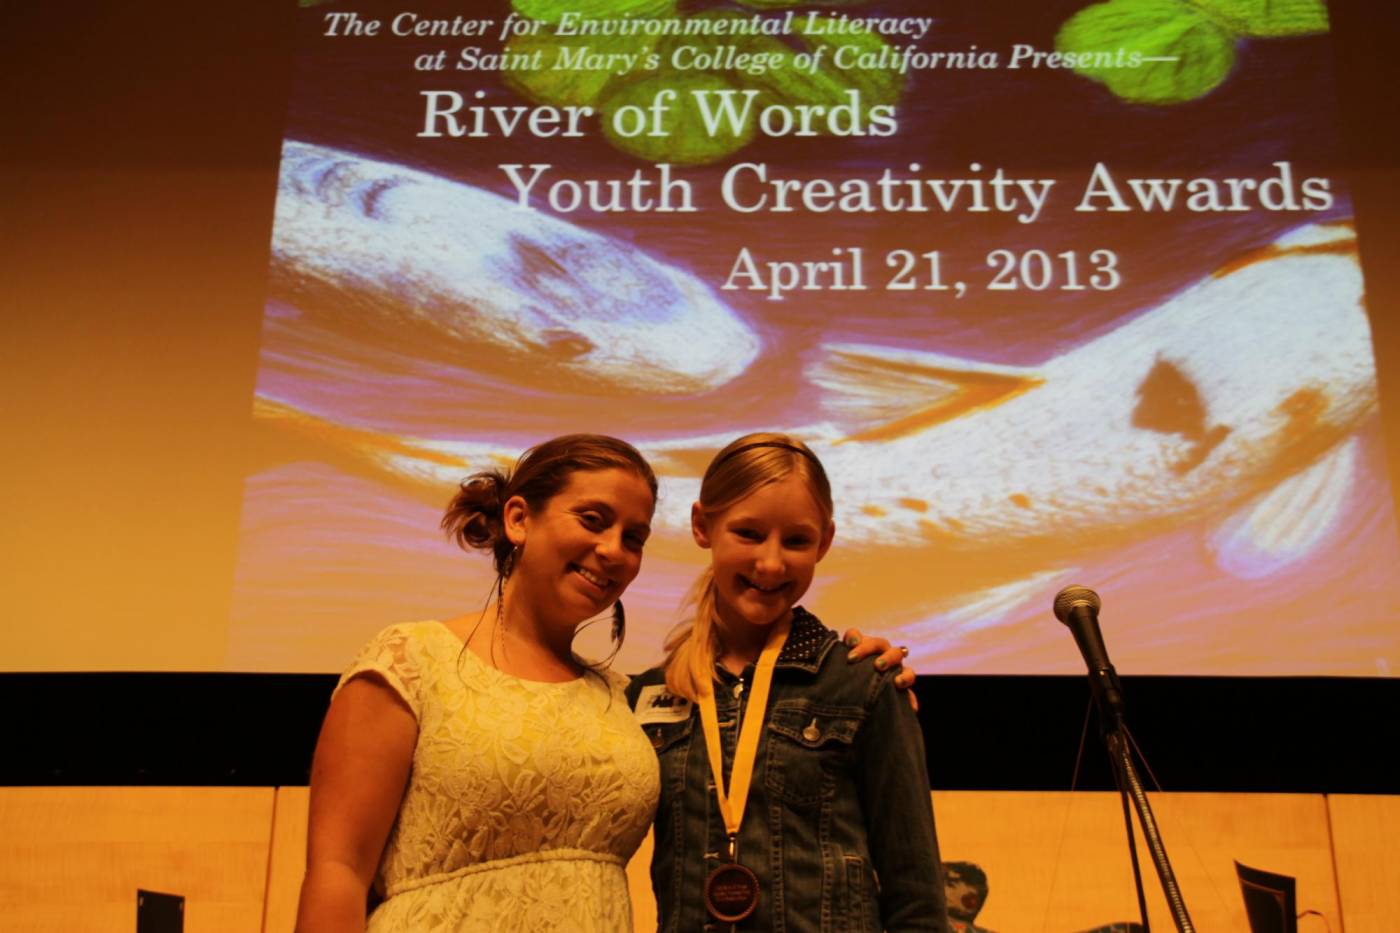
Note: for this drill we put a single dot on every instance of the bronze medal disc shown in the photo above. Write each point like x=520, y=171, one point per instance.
x=731, y=893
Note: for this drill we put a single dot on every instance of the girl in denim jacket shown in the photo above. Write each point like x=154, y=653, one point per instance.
x=819, y=818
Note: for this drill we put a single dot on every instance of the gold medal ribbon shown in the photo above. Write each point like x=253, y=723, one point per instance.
x=731, y=805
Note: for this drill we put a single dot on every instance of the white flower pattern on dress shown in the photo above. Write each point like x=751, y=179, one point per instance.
x=525, y=799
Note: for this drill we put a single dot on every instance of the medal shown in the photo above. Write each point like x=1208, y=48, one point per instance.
x=731, y=890
x=731, y=893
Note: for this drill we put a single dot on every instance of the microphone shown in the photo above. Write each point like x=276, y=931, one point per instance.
x=1078, y=608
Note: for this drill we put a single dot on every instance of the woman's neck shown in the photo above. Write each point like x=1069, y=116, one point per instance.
x=517, y=641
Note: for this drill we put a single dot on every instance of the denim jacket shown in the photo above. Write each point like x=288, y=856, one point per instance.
x=838, y=826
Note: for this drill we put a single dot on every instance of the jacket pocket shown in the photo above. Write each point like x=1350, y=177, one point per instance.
x=859, y=894
x=808, y=746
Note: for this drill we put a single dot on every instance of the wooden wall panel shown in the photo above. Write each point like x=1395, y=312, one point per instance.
x=1058, y=861
x=287, y=863
x=74, y=856
x=1366, y=839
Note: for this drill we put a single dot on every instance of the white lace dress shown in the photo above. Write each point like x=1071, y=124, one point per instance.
x=525, y=799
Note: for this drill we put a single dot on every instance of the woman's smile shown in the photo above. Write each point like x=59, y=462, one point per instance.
x=597, y=580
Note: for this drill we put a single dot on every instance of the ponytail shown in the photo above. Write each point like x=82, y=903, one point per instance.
x=692, y=647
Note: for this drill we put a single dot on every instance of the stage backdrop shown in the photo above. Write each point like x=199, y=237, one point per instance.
x=1062, y=293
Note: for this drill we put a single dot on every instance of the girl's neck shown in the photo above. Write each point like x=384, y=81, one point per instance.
x=740, y=641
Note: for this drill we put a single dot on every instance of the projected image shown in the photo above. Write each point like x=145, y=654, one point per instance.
x=1056, y=297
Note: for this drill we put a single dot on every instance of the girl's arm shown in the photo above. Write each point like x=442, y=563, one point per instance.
x=357, y=782
x=894, y=793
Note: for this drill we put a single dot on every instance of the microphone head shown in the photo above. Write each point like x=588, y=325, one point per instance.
x=1072, y=596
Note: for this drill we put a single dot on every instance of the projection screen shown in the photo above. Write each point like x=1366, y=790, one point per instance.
x=1060, y=293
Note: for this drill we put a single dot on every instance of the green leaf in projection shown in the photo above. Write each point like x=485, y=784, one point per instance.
x=687, y=139
x=829, y=85
x=1197, y=52
x=563, y=86
x=1269, y=18
x=692, y=48
x=551, y=11
x=784, y=83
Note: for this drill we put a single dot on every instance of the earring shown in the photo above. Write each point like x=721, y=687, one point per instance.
x=619, y=626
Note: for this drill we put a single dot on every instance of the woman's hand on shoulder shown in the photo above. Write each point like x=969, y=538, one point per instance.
x=888, y=657
x=358, y=776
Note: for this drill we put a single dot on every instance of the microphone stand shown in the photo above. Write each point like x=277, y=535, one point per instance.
x=1128, y=822
x=1125, y=775
x=1078, y=607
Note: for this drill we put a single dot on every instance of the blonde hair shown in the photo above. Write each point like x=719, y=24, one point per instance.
x=740, y=469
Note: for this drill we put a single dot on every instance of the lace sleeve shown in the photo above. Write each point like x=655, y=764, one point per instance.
x=393, y=655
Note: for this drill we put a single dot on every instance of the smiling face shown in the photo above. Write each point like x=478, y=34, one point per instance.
x=764, y=550
x=580, y=550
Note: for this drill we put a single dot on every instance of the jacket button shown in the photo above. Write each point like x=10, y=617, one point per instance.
x=656, y=739
x=812, y=733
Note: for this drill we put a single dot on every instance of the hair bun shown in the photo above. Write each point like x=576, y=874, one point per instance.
x=474, y=516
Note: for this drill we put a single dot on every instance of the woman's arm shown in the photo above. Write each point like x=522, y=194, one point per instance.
x=357, y=782
x=889, y=658
x=892, y=780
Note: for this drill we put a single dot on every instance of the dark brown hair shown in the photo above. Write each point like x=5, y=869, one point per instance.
x=475, y=517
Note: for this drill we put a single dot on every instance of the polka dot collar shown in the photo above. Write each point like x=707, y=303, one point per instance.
x=807, y=640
